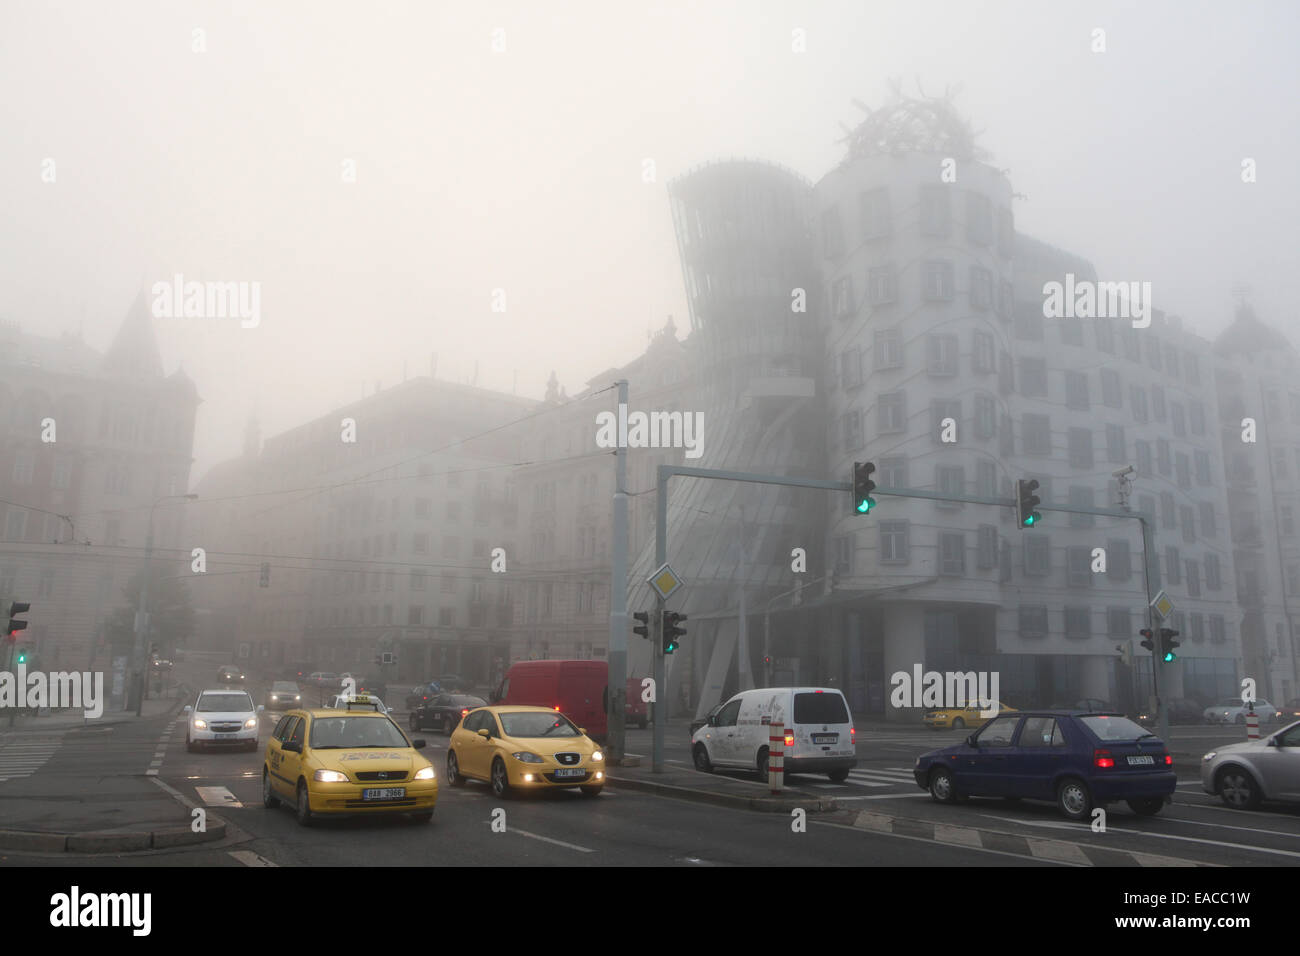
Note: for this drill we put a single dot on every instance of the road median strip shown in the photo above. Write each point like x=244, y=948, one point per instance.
x=111, y=841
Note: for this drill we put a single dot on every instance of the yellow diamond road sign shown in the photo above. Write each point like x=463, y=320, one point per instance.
x=665, y=581
x=1163, y=605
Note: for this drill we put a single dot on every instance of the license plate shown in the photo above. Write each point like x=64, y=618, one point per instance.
x=386, y=793
x=825, y=738
x=570, y=773
x=1134, y=761
x=225, y=736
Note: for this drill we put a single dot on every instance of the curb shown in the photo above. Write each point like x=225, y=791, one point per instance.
x=769, y=804
x=111, y=842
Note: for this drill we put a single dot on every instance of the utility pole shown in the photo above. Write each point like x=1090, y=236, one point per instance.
x=1151, y=576
x=618, y=620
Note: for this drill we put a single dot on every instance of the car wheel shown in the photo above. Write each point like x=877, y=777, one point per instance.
x=269, y=799
x=305, y=817
x=761, y=763
x=702, y=762
x=838, y=776
x=422, y=817
x=1146, y=807
x=591, y=791
x=942, y=787
x=500, y=779
x=454, y=776
x=959, y=724
x=642, y=723
x=1237, y=788
x=1073, y=799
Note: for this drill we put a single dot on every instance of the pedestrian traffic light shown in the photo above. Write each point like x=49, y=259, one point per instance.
x=22, y=657
x=672, y=633
x=644, y=618
x=17, y=607
x=265, y=581
x=1148, y=639
x=1026, y=502
x=863, y=486
x=1125, y=654
x=1167, y=644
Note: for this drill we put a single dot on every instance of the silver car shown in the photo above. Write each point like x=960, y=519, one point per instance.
x=1246, y=773
x=1233, y=711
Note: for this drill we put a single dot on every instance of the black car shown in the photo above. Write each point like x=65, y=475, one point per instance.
x=444, y=711
x=1075, y=759
x=1182, y=710
x=422, y=695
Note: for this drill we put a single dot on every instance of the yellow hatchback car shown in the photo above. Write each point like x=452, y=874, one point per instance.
x=328, y=762
x=959, y=718
x=516, y=748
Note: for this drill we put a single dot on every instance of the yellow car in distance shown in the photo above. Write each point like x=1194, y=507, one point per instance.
x=517, y=748
x=336, y=762
x=959, y=718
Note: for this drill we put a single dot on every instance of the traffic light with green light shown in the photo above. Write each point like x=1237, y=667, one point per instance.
x=863, y=486
x=672, y=633
x=1026, y=502
x=1167, y=644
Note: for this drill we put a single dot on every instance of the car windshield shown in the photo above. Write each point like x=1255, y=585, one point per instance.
x=467, y=702
x=354, y=733
x=1115, y=728
x=284, y=686
x=537, y=724
x=224, y=703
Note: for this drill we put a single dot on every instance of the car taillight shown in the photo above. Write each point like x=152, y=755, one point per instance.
x=463, y=712
x=853, y=735
x=1102, y=758
x=557, y=706
x=789, y=739
x=1169, y=760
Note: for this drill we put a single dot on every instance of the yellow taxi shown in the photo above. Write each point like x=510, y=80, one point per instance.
x=516, y=748
x=343, y=761
x=959, y=718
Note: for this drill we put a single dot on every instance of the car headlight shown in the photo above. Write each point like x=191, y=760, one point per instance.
x=297, y=697
x=1210, y=755
x=250, y=723
x=526, y=757
x=273, y=697
x=424, y=774
x=598, y=756
x=200, y=723
x=330, y=776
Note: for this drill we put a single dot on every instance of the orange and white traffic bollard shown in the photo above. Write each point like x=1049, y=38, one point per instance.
x=776, y=756
x=1252, y=723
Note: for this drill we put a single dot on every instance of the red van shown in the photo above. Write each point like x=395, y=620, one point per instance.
x=578, y=689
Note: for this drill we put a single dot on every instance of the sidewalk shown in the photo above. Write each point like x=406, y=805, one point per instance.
x=743, y=791
x=71, y=720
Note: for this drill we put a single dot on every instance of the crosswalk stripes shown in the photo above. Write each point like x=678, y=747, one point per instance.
x=22, y=756
x=881, y=777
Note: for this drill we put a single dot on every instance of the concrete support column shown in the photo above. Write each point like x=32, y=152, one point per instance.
x=904, y=646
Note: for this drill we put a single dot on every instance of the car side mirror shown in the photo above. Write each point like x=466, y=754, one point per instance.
x=485, y=733
x=583, y=731
x=292, y=746
x=188, y=709
x=418, y=743
x=713, y=720
x=972, y=742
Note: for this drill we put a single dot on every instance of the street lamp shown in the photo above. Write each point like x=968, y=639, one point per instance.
x=142, y=611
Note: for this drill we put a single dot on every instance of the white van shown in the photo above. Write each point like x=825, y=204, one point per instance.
x=819, y=732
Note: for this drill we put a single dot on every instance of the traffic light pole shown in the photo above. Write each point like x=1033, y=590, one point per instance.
x=618, y=619
x=1151, y=576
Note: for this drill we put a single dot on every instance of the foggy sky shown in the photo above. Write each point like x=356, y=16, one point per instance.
x=523, y=170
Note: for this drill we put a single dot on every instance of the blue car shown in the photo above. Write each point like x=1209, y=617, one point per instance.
x=1077, y=759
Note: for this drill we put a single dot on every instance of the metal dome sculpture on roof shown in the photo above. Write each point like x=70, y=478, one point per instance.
x=906, y=124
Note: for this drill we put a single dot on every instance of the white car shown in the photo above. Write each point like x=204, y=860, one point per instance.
x=819, y=732
x=223, y=717
x=1233, y=711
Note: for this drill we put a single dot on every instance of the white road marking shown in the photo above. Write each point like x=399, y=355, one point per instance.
x=537, y=836
x=889, y=796
x=249, y=858
x=1057, y=851
x=217, y=797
